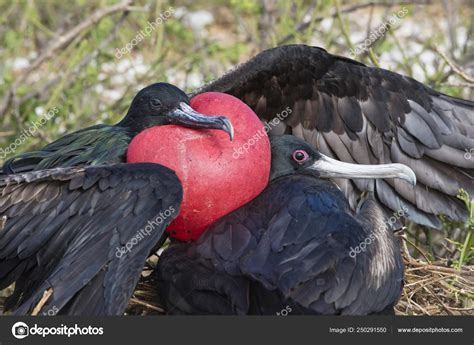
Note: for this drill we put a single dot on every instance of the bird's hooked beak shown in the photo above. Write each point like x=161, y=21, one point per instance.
x=186, y=116
x=331, y=168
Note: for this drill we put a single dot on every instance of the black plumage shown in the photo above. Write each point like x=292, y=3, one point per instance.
x=291, y=247
x=157, y=104
x=63, y=223
x=72, y=231
x=345, y=109
x=362, y=114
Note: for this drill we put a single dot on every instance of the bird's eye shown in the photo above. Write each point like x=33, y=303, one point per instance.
x=155, y=103
x=300, y=156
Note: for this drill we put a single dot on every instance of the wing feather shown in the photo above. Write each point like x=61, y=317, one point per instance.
x=65, y=227
x=378, y=115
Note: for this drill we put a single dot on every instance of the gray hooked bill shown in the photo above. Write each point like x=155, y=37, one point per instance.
x=186, y=116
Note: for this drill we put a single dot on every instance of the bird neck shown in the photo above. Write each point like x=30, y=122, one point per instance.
x=384, y=248
x=135, y=125
x=278, y=170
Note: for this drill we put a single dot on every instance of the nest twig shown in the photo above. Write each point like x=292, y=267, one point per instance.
x=430, y=289
x=435, y=289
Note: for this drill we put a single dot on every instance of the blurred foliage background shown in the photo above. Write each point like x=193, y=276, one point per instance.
x=71, y=55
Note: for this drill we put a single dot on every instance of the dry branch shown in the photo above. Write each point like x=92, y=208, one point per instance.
x=60, y=42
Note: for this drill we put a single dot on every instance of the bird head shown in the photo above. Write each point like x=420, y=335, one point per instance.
x=163, y=104
x=292, y=155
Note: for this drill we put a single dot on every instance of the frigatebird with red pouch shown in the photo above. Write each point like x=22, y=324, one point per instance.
x=67, y=208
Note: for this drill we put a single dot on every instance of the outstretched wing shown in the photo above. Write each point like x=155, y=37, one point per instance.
x=365, y=115
x=82, y=233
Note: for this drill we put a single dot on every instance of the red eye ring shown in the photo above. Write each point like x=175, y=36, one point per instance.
x=300, y=156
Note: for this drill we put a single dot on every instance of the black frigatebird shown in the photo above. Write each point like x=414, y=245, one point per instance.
x=78, y=223
x=297, y=247
x=157, y=104
x=365, y=115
